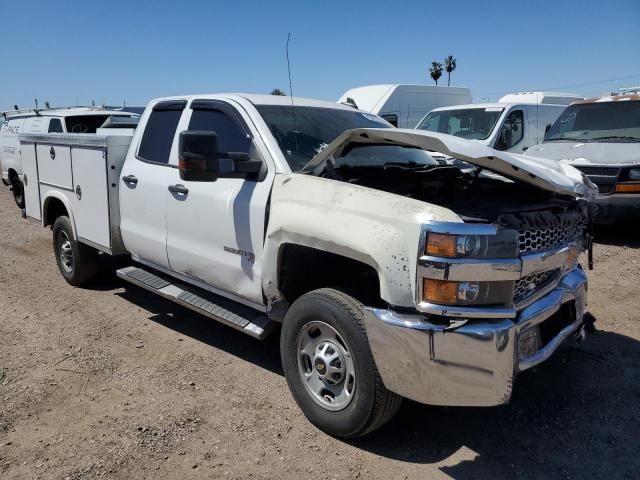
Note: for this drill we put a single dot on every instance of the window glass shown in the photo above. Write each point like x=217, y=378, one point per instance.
x=85, y=123
x=470, y=123
x=158, y=135
x=302, y=132
x=512, y=130
x=55, y=126
x=231, y=137
x=615, y=122
x=385, y=155
x=392, y=118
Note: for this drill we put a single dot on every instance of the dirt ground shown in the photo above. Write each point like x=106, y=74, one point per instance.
x=110, y=381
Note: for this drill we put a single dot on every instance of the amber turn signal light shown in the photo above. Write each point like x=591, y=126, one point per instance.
x=628, y=188
x=441, y=245
x=439, y=291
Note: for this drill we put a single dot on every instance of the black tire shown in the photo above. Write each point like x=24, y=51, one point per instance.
x=371, y=405
x=18, y=191
x=78, y=263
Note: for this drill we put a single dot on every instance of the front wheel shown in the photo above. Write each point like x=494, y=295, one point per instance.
x=18, y=191
x=329, y=366
x=78, y=263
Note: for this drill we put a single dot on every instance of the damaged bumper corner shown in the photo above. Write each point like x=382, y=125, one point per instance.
x=475, y=364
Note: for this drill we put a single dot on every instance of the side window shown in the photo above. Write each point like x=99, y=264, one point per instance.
x=392, y=118
x=159, y=132
x=55, y=126
x=512, y=130
x=231, y=136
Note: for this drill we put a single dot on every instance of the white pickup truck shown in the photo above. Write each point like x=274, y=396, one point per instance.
x=392, y=275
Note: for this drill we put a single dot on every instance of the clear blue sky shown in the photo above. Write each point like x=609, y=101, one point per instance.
x=136, y=50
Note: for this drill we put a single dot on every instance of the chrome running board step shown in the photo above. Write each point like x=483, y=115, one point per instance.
x=225, y=311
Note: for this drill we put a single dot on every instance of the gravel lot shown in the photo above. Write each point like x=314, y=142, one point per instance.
x=110, y=381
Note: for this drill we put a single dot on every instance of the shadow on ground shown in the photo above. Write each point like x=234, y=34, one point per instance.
x=622, y=234
x=577, y=416
x=265, y=353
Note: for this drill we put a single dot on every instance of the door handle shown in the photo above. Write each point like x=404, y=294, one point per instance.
x=178, y=189
x=130, y=179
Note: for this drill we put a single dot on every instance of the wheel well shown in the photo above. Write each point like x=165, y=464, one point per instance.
x=303, y=269
x=53, y=208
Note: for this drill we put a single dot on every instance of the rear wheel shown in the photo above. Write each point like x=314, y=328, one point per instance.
x=18, y=190
x=329, y=366
x=78, y=263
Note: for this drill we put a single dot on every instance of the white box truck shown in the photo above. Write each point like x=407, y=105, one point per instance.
x=404, y=105
x=392, y=276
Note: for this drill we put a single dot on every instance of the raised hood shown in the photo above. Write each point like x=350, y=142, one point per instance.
x=546, y=174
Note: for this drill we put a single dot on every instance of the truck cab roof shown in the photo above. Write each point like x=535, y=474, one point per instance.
x=259, y=99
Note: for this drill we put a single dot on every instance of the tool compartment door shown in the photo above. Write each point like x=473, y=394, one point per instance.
x=54, y=165
x=91, y=196
x=30, y=180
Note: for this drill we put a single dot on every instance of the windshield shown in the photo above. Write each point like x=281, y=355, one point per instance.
x=384, y=155
x=315, y=128
x=87, y=123
x=614, y=122
x=470, y=123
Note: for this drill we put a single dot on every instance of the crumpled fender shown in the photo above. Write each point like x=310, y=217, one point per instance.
x=377, y=228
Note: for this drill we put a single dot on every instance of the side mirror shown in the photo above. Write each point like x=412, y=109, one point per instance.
x=547, y=128
x=198, y=155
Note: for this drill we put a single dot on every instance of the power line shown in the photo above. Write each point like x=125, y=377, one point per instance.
x=588, y=84
x=576, y=85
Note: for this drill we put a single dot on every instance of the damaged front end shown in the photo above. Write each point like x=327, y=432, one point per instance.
x=495, y=294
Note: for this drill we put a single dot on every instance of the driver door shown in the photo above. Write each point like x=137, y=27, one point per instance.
x=215, y=229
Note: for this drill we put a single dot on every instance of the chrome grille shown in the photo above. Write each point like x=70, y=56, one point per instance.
x=530, y=284
x=600, y=171
x=547, y=238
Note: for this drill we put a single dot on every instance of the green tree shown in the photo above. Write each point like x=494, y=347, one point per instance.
x=435, y=71
x=449, y=66
x=277, y=91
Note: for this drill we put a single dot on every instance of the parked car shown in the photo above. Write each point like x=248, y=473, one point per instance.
x=515, y=123
x=80, y=120
x=392, y=276
x=601, y=138
x=404, y=105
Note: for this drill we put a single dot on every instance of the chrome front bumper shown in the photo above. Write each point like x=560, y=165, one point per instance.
x=474, y=364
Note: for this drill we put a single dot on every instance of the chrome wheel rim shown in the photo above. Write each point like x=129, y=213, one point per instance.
x=325, y=366
x=65, y=252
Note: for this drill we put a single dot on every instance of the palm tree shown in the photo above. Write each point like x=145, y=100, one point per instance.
x=277, y=91
x=435, y=71
x=449, y=66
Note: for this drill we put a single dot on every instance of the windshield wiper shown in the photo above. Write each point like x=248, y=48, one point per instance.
x=617, y=137
x=412, y=165
x=567, y=139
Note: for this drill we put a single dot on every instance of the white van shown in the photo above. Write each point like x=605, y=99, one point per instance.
x=53, y=120
x=515, y=123
x=601, y=137
x=404, y=105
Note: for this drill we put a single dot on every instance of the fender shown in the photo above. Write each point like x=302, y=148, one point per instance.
x=65, y=201
x=374, y=227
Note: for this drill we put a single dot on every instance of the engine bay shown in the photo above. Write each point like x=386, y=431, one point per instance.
x=477, y=197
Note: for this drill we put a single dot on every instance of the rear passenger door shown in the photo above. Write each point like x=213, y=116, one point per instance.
x=143, y=185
